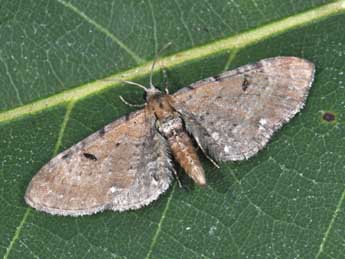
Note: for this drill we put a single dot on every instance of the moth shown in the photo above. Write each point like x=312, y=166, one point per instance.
x=129, y=163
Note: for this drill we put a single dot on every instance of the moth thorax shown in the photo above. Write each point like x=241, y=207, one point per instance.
x=170, y=126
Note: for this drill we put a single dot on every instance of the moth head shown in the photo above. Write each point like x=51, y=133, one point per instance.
x=160, y=104
x=151, y=93
x=148, y=94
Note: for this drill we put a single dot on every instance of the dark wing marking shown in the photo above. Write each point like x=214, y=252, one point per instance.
x=234, y=116
x=125, y=167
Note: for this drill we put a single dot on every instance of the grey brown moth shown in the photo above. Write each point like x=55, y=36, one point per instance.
x=128, y=164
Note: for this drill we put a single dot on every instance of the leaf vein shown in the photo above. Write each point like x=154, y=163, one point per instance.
x=63, y=127
x=231, y=58
x=330, y=225
x=11, y=79
x=185, y=247
x=184, y=23
x=104, y=30
x=159, y=227
x=154, y=26
x=17, y=233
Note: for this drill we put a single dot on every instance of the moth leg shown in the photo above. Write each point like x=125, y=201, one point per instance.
x=177, y=178
x=203, y=151
x=131, y=104
x=165, y=80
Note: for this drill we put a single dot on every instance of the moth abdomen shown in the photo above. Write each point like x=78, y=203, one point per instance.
x=171, y=126
x=185, y=154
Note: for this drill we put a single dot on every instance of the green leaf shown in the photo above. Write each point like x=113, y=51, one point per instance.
x=286, y=202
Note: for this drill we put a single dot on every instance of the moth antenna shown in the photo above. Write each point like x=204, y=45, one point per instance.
x=155, y=61
x=125, y=81
x=166, y=83
x=136, y=84
x=131, y=104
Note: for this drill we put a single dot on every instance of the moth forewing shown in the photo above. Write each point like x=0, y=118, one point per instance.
x=245, y=106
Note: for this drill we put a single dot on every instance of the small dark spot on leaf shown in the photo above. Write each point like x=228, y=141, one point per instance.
x=219, y=97
x=90, y=156
x=328, y=116
x=117, y=144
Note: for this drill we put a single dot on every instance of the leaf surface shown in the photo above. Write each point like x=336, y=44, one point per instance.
x=58, y=63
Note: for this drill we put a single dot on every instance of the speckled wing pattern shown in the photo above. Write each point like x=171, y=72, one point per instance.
x=232, y=116
x=123, y=166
